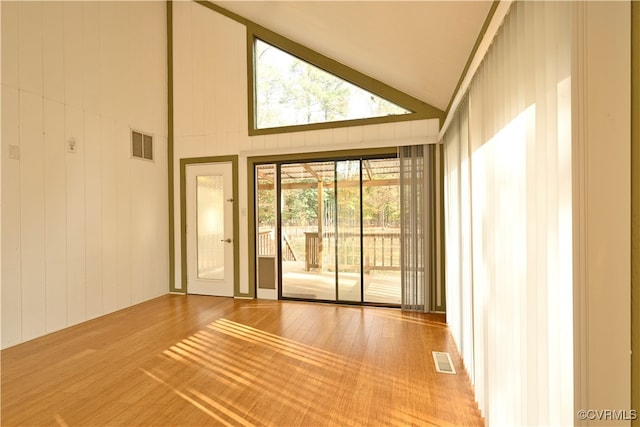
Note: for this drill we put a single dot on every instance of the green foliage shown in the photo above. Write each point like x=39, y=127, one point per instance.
x=290, y=91
x=266, y=208
x=300, y=207
x=315, y=95
x=298, y=93
x=381, y=206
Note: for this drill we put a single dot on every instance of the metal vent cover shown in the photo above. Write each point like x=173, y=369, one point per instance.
x=141, y=145
x=443, y=362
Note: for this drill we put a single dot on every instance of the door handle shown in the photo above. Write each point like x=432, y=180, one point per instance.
x=228, y=240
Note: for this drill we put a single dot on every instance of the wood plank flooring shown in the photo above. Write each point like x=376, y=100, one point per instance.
x=199, y=361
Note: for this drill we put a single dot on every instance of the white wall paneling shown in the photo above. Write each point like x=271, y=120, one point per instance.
x=32, y=213
x=90, y=40
x=53, y=51
x=602, y=135
x=77, y=241
x=9, y=46
x=137, y=196
x=76, y=218
x=30, y=52
x=109, y=228
x=56, y=215
x=115, y=63
x=73, y=54
x=11, y=220
x=124, y=219
x=158, y=241
x=93, y=213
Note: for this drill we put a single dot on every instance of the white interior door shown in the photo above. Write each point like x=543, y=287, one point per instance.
x=210, y=229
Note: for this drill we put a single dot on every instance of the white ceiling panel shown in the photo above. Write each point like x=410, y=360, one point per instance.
x=418, y=47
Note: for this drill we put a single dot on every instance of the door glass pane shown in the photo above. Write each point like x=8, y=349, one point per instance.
x=210, y=226
x=306, y=190
x=348, y=229
x=266, y=226
x=381, y=230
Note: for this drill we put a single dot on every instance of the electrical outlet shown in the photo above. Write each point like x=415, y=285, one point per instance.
x=14, y=152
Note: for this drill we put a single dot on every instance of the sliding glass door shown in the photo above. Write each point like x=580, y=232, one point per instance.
x=348, y=231
x=307, y=197
x=381, y=231
x=337, y=228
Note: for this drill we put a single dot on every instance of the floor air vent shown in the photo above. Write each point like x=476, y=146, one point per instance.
x=443, y=362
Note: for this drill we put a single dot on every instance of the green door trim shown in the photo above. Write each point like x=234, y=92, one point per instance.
x=183, y=218
x=170, y=151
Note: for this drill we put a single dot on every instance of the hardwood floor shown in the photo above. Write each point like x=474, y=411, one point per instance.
x=198, y=361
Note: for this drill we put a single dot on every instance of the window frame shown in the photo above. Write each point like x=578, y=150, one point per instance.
x=419, y=109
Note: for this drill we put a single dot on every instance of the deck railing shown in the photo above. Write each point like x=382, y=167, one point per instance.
x=267, y=246
x=266, y=243
x=381, y=250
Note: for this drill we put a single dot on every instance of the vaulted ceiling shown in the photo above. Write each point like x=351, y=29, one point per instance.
x=418, y=47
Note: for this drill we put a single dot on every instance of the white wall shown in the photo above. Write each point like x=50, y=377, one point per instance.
x=210, y=116
x=602, y=128
x=84, y=233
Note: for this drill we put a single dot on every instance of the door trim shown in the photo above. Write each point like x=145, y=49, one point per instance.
x=183, y=217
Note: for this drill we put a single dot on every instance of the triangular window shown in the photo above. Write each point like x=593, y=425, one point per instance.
x=289, y=91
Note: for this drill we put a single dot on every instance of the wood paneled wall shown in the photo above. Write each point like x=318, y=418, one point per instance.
x=83, y=233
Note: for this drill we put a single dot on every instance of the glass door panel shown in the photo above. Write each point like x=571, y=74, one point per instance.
x=347, y=229
x=266, y=220
x=210, y=227
x=306, y=189
x=381, y=231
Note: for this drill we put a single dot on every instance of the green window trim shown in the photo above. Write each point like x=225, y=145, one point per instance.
x=291, y=92
x=420, y=110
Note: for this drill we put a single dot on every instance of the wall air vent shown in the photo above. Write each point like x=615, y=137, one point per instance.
x=443, y=362
x=141, y=145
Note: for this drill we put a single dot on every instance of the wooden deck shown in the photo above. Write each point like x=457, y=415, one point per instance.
x=299, y=281
x=199, y=361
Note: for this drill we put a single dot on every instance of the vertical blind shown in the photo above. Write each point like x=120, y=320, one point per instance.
x=413, y=228
x=509, y=221
x=417, y=226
